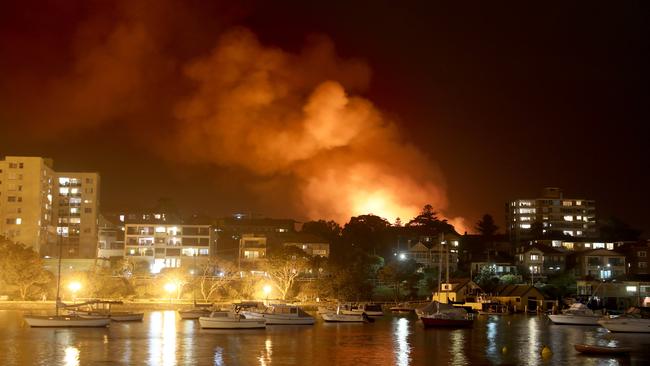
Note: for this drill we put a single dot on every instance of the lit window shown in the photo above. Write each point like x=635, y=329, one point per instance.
x=578, y=203
x=568, y=218
x=534, y=257
x=567, y=203
x=556, y=243
x=568, y=232
x=19, y=221
x=641, y=254
x=524, y=218
x=587, y=245
x=599, y=245
x=578, y=233
x=610, y=246
x=160, y=229
x=524, y=226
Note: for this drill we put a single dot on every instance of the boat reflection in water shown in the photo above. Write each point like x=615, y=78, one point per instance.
x=164, y=339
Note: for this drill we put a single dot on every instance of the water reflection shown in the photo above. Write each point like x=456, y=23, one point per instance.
x=218, y=357
x=267, y=352
x=71, y=357
x=162, y=351
x=458, y=347
x=534, y=348
x=403, y=350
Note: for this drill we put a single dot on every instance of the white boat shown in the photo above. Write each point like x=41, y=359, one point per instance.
x=230, y=320
x=437, y=314
x=633, y=321
x=281, y=314
x=339, y=317
x=97, y=309
x=577, y=314
x=65, y=321
x=369, y=309
x=194, y=313
x=326, y=309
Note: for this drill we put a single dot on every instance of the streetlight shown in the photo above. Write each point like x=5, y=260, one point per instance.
x=267, y=290
x=402, y=256
x=170, y=287
x=74, y=287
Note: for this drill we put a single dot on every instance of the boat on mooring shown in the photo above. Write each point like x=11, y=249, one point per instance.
x=230, y=320
x=339, y=317
x=577, y=314
x=98, y=309
x=601, y=350
x=635, y=320
x=370, y=309
x=281, y=314
x=440, y=315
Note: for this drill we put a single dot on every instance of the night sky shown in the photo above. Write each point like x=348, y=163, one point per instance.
x=500, y=99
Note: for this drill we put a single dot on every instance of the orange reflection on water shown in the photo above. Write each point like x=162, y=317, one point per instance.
x=162, y=338
x=403, y=349
x=71, y=357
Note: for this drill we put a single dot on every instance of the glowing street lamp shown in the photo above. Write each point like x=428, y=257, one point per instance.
x=267, y=290
x=402, y=256
x=170, y=287
x=74, y=288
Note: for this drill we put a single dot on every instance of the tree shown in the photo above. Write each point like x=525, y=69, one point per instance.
x=428, y=223
x=369, y=233
x=21, y=267
x=397, y=273
x=284, y=267
x=486, y=226
x=487, y=279
x=215, y=275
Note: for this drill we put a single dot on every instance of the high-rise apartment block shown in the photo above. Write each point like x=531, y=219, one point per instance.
x=41, y=208
x=552, y=212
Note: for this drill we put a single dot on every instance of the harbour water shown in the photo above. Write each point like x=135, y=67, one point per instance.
x=164, y=339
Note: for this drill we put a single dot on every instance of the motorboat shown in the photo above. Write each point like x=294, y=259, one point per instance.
x=635, y=320
x=403, y=307
x=326, y=309
x=230, y=320
x=340, y=317
x=601, y=350
x=194, y=313
x=494, y=309
x=577, y=314
x=97, y=309
x=438, y=314
x=369, y=309
x=281, y=314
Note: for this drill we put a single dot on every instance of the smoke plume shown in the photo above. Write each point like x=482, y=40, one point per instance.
x=274, y=112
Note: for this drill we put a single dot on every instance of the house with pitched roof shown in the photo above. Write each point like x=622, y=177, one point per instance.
x=519, y=297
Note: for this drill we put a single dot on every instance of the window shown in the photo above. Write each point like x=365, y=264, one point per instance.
x=641, y=254
x=13, y=165
x=567, y=203
x=11, y=198
x=19, y=221
x=88, y=210
x=89, y=190
x=89, y=180
x=534, y=257
x=11, y=221
x=643, y=264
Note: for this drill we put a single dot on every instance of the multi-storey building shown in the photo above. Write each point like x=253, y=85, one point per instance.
x=311, y=244
x=76, y=198
x=598, y=263
x=541, y=260
x=551, y=213
x=26, y=201
x=158, y=243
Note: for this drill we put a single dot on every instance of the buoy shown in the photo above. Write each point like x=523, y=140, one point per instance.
x=504, y=349
x=546, y=351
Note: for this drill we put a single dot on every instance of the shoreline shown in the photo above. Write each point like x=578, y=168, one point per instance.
x=151, y=305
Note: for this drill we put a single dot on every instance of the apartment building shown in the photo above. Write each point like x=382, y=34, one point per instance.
x=156, y=243
x=551, y=213
x=598, y=263
x=541, y=260
x=26, y=201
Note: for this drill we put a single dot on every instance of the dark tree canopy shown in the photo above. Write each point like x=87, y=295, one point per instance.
x=486, y=226
x=613, y=228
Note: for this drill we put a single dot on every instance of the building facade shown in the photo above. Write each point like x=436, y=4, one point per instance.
x=599, y=263
x=157, y=244
x=552, y=213
x=43, y=209
x=26, y=201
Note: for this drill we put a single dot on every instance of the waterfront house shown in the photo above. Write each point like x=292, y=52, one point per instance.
x=598, y=263
x=519, y=297
x=458, y=290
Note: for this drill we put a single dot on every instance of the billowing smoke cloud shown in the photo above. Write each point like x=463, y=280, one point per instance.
x=296, y=118
x=275, y=112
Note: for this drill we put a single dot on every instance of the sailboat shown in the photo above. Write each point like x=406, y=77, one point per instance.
x=63, y=321
x=437, y=314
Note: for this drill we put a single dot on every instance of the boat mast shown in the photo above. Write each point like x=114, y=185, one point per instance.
x=58, y=277
x=440, y=266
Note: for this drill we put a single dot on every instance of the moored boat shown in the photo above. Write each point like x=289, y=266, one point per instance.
x=230, y=320
x=369, y=309
x=97, y=309
x=401, y=308
x=577, y=314
x=601, y=350
x=65, y=321
x=194, y=313
x=281, y=314
x=339, y=317
x=438, y=314
x=635, y=320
